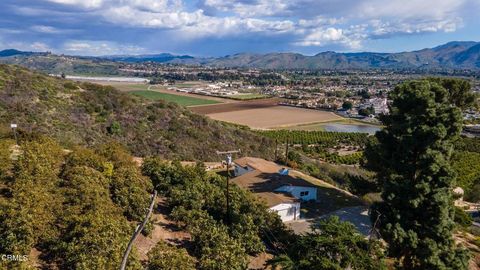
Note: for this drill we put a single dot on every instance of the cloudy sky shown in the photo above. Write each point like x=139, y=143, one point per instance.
x=220, y=27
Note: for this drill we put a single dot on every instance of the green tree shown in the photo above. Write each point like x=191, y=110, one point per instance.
x=333, y=245
x=462, y=218
x=27, y=217
x=94, y=232
x=473, y=194
x=115, y=128
x=347, y=105
x=167, y=257
x=412, y=161
x=6, y=162
x=215, y=249
x=161, y=173
x=460, y=91
x=366, y=111
x=130, y=190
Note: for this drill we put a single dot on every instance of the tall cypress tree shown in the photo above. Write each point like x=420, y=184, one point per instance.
x=412, y=161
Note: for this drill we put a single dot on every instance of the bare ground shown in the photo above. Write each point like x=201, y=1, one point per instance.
x=273, y=116
x=236, y=106
x=164, y=230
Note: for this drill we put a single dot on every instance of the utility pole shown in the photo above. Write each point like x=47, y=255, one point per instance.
x=228, y=162
x=286, y=153
x=14, y=128
x=276, y=149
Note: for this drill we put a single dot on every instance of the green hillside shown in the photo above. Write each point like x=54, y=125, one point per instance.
x=70, y=65
x=90, y=114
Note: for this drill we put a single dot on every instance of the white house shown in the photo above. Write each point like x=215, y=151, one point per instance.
x=271, y=183
x=303, y=193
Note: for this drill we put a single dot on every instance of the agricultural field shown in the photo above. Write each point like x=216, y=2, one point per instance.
x=179, y=99
x=316, y=137
x=332, y=147
x=155, y=92
x=247, y=96
x=189, y=84
x=234, y=106
x=321, y=126
x=124, y=86
x=273, y=116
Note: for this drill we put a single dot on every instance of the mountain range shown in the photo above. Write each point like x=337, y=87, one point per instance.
x=158, y=58
x=452, y=55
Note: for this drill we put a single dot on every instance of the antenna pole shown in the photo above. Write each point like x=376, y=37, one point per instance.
x=286, y=154
x=229, y=223
x=276, y=149
x=228, y=162
x=14, y=129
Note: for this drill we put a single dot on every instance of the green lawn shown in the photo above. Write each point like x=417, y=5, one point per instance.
x=180, y=100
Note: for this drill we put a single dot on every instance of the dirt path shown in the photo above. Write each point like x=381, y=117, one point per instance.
x=164, y=230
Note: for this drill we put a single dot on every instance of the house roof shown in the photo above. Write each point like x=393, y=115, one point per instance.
x=276, y=198
x=257, y=181
x=265, y=180
x=258, y=164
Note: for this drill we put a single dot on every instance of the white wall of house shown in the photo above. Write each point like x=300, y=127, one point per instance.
x=239, y=170
x=287, y=211
x=302, y=193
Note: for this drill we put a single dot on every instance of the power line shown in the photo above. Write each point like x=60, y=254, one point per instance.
x=228, y=162
x=14, y=126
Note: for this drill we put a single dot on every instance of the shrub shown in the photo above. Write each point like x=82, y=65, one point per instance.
x=166, y=257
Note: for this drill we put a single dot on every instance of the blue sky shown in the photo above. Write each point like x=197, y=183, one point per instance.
x=221, y=27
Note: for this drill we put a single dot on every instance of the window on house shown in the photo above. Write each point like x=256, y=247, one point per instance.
x=303, y=193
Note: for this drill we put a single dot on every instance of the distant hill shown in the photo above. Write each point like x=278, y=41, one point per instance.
x=452, y=55
x=13, y=52
x=57, y=64
x=157, y=58
x=90, y=114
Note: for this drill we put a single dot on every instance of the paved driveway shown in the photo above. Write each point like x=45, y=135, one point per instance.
x=357, y=215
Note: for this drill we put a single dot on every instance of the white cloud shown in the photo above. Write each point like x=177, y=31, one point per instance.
x=11, y=31
x=155, y=5
x=251, y=8
x=413, y=9
x=40, y=47
x=309, y=22
x=127, y=15
x=81, y=3
x=95, y=48
x=45, y=29
x=24, y=46
x=351, y=38
x=196, y=24
x=385, y=29
x=150, y=5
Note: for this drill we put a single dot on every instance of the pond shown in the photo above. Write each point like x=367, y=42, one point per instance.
x=351, y=128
